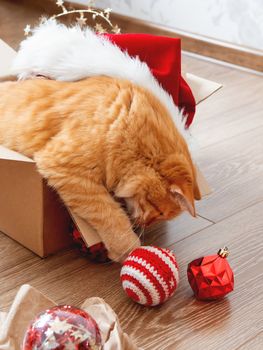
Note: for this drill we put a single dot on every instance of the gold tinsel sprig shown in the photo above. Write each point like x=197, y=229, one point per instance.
x=81, y=19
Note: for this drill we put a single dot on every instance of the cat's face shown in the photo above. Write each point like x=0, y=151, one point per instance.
x=161, y=194
x=144, y=210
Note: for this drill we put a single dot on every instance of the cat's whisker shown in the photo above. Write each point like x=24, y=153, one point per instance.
x=135, y=224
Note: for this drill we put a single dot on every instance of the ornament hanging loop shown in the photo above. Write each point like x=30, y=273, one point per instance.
x=223, y=252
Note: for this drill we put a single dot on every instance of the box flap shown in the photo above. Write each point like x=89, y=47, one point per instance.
x=8, y=154
x=7, y=55
x=203, y=185
x=89, y=235
x=201, y=88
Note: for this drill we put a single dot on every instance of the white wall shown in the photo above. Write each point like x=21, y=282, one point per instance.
x=236, y=21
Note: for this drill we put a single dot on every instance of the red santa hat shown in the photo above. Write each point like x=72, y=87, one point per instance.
x=71, y=53
x=163, y=56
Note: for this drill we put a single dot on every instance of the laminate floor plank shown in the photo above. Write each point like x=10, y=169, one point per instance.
x=166, y=233
x=253, y=344
x=234, y=170
x=235, y=108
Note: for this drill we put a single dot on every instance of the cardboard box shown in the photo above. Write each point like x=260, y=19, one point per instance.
x=30, y=211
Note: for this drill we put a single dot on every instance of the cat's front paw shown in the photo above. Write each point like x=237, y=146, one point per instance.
x=123, y=249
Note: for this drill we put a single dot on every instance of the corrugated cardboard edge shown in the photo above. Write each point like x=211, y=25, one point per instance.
x=8, y=154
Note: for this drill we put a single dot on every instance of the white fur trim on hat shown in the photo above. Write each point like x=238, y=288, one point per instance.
x=71, y=53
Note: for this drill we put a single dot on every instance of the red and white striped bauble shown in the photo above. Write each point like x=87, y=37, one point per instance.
x=149, y=275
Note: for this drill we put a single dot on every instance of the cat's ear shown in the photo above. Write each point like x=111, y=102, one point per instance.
x=184, y=199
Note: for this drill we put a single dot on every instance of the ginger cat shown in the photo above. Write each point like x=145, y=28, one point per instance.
x=99, y=140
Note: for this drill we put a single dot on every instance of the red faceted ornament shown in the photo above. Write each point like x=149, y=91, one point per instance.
x=211, y=277
x=63, y=328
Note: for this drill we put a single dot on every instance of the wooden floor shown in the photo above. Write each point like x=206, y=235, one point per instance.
x=229, y=131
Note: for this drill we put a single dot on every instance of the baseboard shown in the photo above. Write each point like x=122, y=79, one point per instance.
x=244, y=57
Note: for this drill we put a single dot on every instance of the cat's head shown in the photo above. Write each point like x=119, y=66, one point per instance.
x=161, y=192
